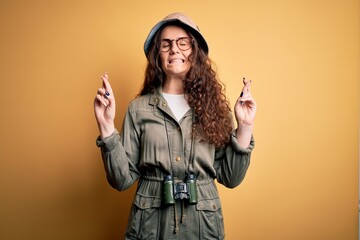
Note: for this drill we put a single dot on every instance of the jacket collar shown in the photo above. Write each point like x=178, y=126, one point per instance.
x=157, y=99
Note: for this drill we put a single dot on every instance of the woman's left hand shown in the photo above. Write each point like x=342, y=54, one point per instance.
x=245, y=107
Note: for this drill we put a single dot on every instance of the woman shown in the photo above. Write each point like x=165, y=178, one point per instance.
x=177, y=137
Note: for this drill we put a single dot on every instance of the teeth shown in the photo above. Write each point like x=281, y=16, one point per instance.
x=176, y=60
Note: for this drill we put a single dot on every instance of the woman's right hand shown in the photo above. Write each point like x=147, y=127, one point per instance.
x=104, y=108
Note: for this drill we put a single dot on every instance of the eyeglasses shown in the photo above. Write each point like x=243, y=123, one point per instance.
x=183, y=43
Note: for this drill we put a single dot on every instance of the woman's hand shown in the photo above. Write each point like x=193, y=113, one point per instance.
x=245, y=111
x=104, y=108
x=245, y=107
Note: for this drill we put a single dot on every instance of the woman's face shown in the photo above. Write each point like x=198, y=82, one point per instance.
x=175, y=62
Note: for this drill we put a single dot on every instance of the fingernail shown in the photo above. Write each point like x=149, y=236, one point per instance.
x=241, y=94
x=107, y=93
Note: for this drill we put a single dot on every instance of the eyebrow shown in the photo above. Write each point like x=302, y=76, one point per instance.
x=168, y=39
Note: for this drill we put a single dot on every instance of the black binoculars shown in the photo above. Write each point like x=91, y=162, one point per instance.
x=182, y=190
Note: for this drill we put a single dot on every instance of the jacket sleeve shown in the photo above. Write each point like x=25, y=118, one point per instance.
x=232, y=162
x=120, y=154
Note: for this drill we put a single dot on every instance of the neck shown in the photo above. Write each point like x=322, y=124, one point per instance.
x=173, y=86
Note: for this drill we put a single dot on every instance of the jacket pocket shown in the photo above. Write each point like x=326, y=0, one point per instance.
x=211, y=219
x=144, y=219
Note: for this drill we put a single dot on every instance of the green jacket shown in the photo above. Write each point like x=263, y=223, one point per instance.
x=153, y=144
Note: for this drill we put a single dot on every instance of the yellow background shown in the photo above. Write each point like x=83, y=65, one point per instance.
x=303, y=58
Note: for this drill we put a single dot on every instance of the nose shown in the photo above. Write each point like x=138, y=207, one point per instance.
x=174, y=48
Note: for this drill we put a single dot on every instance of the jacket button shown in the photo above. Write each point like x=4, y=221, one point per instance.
x=178, y=158
x=164, y=103
x=214, y=207
x=143, y=204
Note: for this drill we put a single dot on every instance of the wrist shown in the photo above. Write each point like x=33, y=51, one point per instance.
x=244, y=134
x=245, y=127
x=106, y=131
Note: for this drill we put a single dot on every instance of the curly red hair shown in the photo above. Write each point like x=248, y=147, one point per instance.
x=203, y=91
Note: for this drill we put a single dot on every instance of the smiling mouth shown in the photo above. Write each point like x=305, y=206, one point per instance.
x=176, y=61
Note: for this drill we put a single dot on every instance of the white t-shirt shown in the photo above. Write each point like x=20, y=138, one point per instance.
x=177, y=104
